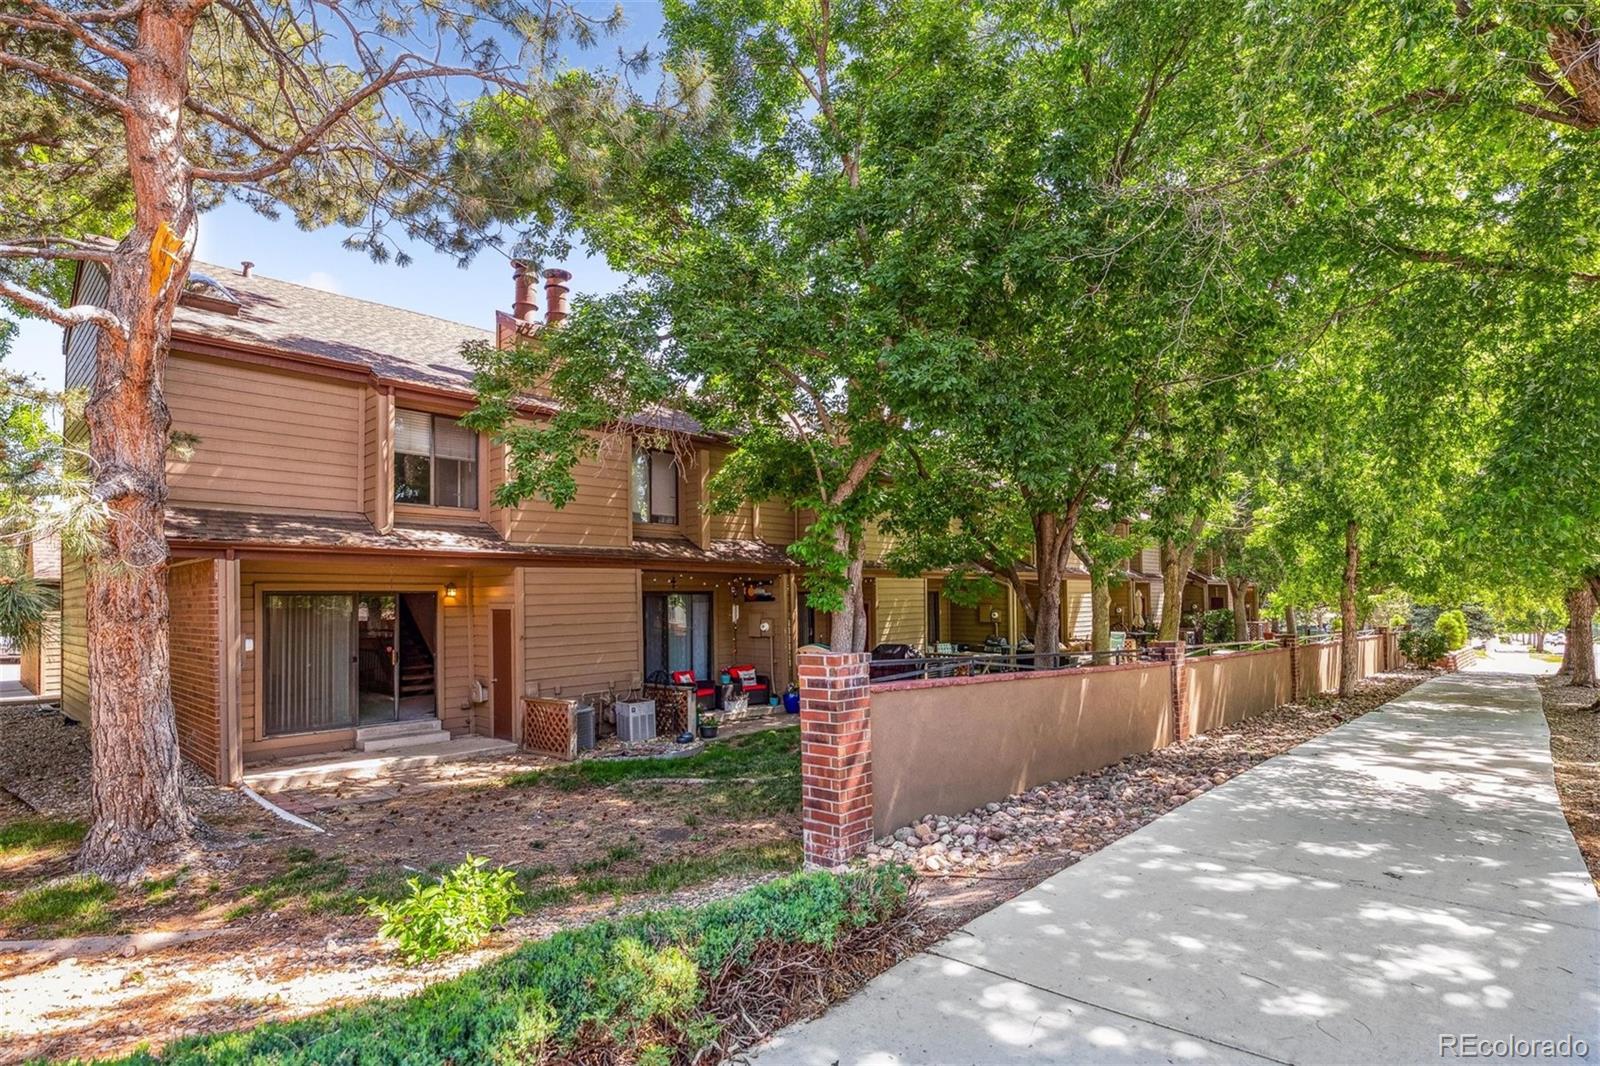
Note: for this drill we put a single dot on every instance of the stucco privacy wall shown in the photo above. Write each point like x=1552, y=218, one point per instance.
x=952, y=745
x=1224, y=689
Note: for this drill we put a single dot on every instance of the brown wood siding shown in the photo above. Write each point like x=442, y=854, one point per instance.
x=377, y=443
x=489, y=591
x=195, y=636
x=902, y=611
x=597, y=515
x=581, y=631
x=454, y=671
x=266, y=439
x=74, y=640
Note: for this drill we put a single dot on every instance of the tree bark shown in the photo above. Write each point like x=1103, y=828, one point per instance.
x=848, y=630
x=1176, y=561
x=137, y=811
x=1100, y=613
x=1241, y=623
x=1578, y=659
x=1349, y=646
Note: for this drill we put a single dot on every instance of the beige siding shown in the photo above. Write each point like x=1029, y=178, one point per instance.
x=877, y=543
x=775, y=522
x=74, y=641
x=1148, y=561
x=597, y=515
x=581, y=631
x=41, y=664
x=902, y=611
x=93, y=288
x=454, y=671
x=1077, y=605
x=266, y=439
x=971, y=625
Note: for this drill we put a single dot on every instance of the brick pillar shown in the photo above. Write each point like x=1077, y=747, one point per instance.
x=1292, y=642
x=835, y=757
x=1173, y=652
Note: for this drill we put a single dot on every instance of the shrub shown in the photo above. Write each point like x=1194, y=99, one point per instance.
x=632, y=989
x=456, y=912
x=1217, y=626
x=1452, y=626
x=1423, y=646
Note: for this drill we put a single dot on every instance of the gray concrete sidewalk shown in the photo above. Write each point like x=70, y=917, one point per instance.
x=1404, y=879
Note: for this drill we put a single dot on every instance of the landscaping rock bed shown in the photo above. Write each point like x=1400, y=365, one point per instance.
x=44, y=762
x=1073, y=818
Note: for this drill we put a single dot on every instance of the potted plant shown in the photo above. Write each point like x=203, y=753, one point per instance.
x=708, y=726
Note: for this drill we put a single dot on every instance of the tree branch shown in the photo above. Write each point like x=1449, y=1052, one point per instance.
x=83, y=86
x=55, y=248
x=90, y=39
x=76, y=315
x=395, y=75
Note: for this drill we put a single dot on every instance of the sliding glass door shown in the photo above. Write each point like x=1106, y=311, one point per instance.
x=332, y=660
x=677, y=633
x=309, y=655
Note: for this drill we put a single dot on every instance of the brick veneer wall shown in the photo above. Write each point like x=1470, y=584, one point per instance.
x=196, y=647
x=548, y=727
x=1173, y=652
x=835, y=757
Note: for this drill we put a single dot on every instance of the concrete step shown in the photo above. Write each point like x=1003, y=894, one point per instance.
x=358, y=766
x=397, y=729
x=416, y=740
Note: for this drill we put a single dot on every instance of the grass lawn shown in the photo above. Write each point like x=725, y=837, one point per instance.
x=752, y=775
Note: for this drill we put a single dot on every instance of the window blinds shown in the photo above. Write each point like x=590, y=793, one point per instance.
x=413, y=432
x=451, y=441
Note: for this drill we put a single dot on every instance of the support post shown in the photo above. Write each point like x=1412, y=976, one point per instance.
x=1292, y=642
x=1173, y=651
x=835, y=757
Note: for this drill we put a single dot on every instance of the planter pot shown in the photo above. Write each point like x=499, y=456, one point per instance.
x=791, y=702
x=707, y=732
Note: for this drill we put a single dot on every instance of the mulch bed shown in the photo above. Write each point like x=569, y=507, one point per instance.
x=1575, y=748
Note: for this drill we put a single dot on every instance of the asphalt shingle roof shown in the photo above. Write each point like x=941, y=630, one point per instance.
x=399, y=346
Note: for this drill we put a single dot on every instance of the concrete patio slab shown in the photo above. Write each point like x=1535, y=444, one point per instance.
x=1402, y=879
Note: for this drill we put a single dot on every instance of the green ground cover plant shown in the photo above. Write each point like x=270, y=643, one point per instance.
x=660, y=986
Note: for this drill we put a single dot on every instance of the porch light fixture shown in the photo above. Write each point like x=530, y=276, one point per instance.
x=450, y=591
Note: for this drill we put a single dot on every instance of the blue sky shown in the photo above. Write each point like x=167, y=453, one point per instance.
x=432, y=284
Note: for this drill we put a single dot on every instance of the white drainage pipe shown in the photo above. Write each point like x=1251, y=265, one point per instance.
x=273, y=808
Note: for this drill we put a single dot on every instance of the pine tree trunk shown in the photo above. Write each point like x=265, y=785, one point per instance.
x=136, y=806
x=1349, y=645
x=1100, y=614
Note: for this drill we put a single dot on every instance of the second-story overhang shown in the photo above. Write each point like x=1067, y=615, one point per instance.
x=246, y=534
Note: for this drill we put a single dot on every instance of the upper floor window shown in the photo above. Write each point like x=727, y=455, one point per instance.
x=435, y=461
x=655, y=487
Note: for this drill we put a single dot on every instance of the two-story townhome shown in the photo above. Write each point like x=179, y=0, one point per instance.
x=341, y=573
x=340, y=568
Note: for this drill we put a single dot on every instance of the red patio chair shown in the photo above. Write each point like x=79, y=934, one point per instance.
x=705, y=693
x=757, y=687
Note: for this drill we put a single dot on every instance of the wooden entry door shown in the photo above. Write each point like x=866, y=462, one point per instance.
x=501, y=695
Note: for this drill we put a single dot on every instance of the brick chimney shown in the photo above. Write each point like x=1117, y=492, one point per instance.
x=523, y=307
x=555, y=295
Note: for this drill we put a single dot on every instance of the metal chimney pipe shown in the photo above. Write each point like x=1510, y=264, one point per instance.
x=523, y=306
x=555, y=295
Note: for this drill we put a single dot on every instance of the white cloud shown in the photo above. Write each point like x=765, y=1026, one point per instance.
x=321, y=279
